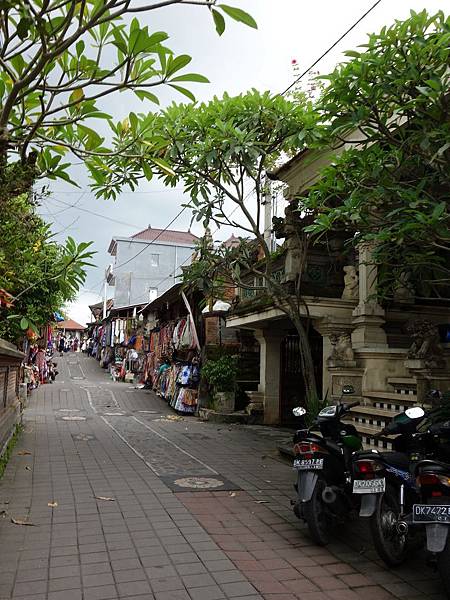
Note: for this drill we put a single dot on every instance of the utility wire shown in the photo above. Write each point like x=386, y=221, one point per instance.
x=145, y=247
x=331, y=47
x=96, y=214
x=212, y=234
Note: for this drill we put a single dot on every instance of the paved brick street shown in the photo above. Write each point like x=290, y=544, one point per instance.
x=116, y=460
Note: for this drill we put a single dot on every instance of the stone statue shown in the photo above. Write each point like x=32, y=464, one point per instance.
x=293, y=244
x=404, y=290
x=342, y=348
x=425, y=345
x=351, y=282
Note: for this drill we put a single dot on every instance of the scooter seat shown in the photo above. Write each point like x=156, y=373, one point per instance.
x=396, y=459
x=432, y=466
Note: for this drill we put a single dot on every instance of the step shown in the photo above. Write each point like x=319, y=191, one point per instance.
x=391, y=396
x=408, y=381
x=367, y=430
x=372, y=410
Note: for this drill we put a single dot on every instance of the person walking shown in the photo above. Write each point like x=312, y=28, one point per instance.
x=61, y=345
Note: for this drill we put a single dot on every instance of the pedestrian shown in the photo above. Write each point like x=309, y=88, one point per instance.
x=41, y=364
x=61, y=345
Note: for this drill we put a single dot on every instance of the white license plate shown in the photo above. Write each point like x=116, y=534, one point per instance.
x=431, y=513
x=369, y=486
x=308, y=464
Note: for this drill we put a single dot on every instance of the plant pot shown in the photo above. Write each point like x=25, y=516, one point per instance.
x=224, y=401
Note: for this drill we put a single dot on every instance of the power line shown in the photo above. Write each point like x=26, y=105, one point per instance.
x=69, y=206
x=96, y=214
x=163, y=191
x=212, y=234
x=330, y=48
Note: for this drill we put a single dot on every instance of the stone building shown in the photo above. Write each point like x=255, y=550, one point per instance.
x=147, y=264
x=391, y=353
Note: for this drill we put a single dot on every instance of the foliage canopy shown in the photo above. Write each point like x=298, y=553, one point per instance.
x=40, y=274
x=390, y=185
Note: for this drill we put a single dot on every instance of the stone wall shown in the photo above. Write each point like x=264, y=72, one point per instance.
x=10, y=407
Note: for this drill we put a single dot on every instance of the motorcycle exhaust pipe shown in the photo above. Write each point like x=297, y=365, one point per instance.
x=402, y=527
x=329, y=495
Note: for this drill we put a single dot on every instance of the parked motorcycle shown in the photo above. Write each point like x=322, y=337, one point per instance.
x=387, y=486
x=323, y=463
x=432, y=511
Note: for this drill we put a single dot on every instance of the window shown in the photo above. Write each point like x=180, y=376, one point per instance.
x=152, y=294
x=154, y=260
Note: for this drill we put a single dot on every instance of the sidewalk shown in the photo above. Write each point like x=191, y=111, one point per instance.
x=112, y=461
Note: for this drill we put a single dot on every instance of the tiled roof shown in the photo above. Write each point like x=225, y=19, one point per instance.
x=69, y=324
x=168, y=235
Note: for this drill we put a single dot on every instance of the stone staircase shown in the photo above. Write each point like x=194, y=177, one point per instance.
x=378, y=408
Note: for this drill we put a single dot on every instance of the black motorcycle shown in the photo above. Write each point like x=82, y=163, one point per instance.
x=432, y=510
x=323, y=463
x=387, y=486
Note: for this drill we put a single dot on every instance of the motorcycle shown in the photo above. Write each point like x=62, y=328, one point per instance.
x=387, y=487
x=323, y=463
x=432, y=510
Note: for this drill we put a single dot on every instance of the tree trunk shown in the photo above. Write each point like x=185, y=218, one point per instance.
x=305, y=358
x=289, y=306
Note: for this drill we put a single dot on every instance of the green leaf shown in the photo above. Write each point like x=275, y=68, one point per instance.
x=80, y=48
x=23, y=323
x=163, y=165
x=184, y=91
x=77, y=95
x=23, y=27
x=191, y=77
x=144, y=95
x=219, y=21
x=175, y=64
x=147, y=170
x=239, y=15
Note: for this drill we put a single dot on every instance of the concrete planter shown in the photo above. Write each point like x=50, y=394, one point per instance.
x=224, y=401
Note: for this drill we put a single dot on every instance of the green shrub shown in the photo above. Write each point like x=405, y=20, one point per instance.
x=221, y=373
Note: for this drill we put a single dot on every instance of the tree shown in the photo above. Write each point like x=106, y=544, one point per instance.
x=59, y=59
x=221, y=151
x=56, y=66
x=40, y=274
x=391, y=186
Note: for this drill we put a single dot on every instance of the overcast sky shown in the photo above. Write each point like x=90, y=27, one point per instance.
x=239, y=60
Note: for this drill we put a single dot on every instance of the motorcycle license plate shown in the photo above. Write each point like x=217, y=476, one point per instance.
x=431, y=513
x=369, y=486
x=308, y=464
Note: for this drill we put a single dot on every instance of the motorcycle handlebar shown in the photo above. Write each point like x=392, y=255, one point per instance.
x=352, y=405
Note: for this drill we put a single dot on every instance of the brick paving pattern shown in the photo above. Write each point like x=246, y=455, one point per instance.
x=149, y=543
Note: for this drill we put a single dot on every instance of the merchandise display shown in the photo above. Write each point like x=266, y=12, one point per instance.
x=165, y=359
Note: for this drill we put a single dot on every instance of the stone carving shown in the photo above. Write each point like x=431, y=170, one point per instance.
x=425, y=345
x=294, y=248
x=404, y=290
x=342, y=351
x=351, y=282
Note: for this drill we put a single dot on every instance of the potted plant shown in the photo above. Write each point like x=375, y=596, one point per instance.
x=221, y=377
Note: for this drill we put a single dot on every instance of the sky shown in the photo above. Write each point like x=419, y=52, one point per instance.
x=241, y=59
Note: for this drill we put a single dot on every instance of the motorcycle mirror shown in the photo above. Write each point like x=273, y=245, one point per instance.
x=415, y=412
x=348, y=389
x=328, y=411
x=299, y=411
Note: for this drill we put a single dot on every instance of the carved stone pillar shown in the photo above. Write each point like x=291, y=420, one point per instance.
x=368, y=316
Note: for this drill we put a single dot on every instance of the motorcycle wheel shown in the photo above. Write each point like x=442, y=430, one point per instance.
x=390, y=545
x=443, y=565
x=317, y=516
